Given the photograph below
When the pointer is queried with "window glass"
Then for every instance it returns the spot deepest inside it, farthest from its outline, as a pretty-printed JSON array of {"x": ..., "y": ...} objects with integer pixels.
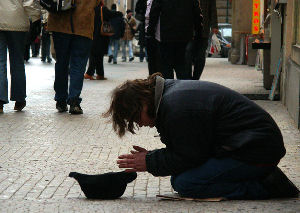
[{"x": 226, "y": 32}]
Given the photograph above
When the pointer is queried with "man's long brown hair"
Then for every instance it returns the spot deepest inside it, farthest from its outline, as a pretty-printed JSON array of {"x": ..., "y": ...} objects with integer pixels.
[{"x": 127, "y": 102}]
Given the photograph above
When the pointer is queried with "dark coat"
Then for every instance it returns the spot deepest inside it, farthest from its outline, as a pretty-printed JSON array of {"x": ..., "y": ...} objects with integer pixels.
[
  {"x": 210, "y": 17},
  {"x": 199, "y": 120},
  {"x": 100, "y": 43},
  {"x": 178, "y": 20},
  {"x": 118, "y": 25}
]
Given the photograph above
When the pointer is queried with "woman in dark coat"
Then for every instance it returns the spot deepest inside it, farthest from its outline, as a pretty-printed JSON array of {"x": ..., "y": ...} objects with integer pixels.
[{"x": 100, "y": 43}]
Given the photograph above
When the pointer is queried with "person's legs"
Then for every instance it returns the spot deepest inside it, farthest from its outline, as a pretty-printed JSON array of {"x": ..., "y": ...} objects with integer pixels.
[
  {"x": 167, "y": 59},
  {"x": 154, "y": 57},
  {"x": 80, "y": 49},
  {"x": 99, "y": 66},
  {"x": 130, "y": 50},
  {"x": 179, "y": 61},
  {"x": 16, "y": 46},
  {"x": 200, "y": 58},
  {"x": 124, "y": 42},
  {"x": 44, "y": 52},
  {"x": 62, "y": 48},
  {"x": 225, "y": 177},
  {"x": 3, "y": 69},
  {"x": 92, "y": 64},
  {"x": 142, "y": 55},
  {"x": 47, "y": 47},
  {"x": 116, "y": 50},
  {"x": 189, "y": 55}
]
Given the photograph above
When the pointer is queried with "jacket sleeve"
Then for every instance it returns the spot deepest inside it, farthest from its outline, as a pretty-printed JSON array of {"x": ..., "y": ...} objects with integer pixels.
[
  {"x": 32, "y": 9},
  {"x": 154, "y": 17},
  {"x": 213, "y": 16},
  {"x": 187, "y": 145}
]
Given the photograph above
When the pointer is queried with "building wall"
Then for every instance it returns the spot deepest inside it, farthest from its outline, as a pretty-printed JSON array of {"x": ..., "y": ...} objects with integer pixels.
[{"x": 290, "y": 81}]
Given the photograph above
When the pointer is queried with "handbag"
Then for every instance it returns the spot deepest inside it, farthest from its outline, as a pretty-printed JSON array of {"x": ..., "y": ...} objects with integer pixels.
[{"x": 106, "y": 28}]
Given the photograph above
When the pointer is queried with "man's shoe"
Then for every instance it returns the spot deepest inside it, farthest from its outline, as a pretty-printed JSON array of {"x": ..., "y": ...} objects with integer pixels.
[
  {"x": 19, "y": 106},
  {"x": 61, "y": 106},
  {"x": 123, "y": 59},
  {"x": 75, "y": 108},
  {"x": 1, "y": 108},
  {"x": 87, "y": 76},
  {"x": 100, "y": 77},
  {"x": 131, "y": 59},
  {"x": 110, "y": 58},
  {"x": 279, "y": 186},
  {"x": 115, "y": 62}
]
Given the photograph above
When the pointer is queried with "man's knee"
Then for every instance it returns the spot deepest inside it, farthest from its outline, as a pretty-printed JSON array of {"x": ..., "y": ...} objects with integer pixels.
[{"x": 184, "y": 186}]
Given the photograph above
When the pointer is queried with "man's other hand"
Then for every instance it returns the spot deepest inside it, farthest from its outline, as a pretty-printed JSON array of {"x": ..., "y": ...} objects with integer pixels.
[{"x": 134, "y": 162}]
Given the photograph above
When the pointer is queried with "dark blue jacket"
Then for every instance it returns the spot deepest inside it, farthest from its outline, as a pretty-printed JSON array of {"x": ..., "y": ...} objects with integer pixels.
[{"x": 199, "y": 120}]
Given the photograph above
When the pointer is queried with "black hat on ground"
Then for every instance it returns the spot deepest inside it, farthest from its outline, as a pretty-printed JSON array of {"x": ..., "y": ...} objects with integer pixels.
[{"x": 110, "y": 185}]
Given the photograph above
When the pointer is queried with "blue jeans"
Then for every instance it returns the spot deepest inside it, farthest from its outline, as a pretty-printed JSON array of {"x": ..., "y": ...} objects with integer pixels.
[
  {"x": 72, "y": 52},
  {"x": 222, "y": 178},
  {"x": 129, "y": 44},
  {"x": 15, "y": 43},
  {"x": 114, "y": 43}
]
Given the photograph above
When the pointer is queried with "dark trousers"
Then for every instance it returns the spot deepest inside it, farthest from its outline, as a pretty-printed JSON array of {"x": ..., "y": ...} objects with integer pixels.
[
  {"x": 35, "y": 48},
  {"x": 173, "y": 59},
  {"x": 46, "y": 47},
  {"x": 14, "y": 42},
  {"x": 72, "y": 52},
  {"x": 224, "y": 177},
  {"x": 196, "y": 54},
  {"x": 154, "y": 57},
  {"x": 96, "y": 63}
]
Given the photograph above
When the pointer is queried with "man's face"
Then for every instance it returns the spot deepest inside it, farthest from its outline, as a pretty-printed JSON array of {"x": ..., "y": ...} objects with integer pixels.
[
  {"x": 145, "y": 120},
  {"x": 129, "y": 15}
]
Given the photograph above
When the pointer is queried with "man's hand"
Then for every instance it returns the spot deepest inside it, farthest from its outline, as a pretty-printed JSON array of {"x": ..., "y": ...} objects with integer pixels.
[{"x": 135, "y": 162}]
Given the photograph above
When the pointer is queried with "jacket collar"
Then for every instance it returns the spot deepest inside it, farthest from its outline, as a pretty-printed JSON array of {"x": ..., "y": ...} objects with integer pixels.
[{"x": 159, "y": 88}]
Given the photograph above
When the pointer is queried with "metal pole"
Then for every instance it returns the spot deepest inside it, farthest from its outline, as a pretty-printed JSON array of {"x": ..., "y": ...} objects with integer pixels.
[{"x": 227, "y": 21}]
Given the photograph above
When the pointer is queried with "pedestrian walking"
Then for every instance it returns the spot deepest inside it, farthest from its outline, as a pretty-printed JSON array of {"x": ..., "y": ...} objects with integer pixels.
[
  {"x": 196, "y": 49},
  {"x": 130, "y": 28},
  {"x": 119, "y": 30},
  {"x": 218, "y": 142},
  {"x": 100, "y": 43},
  {"x": 46, "y": 42},
  {"x": 14, "y": 25},
  {"x": 178, "y": 22},
  {"x": 72, "y": 36}
]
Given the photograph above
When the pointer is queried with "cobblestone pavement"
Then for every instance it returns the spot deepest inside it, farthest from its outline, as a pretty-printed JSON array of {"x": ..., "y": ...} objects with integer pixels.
[{"x": 39, "y": 147}]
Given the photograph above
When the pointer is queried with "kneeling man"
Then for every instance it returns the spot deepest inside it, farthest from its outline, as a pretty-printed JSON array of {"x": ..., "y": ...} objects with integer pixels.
[{"x": 218, "y": 142}]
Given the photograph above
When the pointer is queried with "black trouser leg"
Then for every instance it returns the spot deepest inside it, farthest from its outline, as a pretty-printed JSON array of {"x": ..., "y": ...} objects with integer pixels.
[
  {"x": 200, "y": 58},
  {"x": 154, "y": 57},
  {"x": 92, "y": 65},
  {"x": 99, "y": 65}
]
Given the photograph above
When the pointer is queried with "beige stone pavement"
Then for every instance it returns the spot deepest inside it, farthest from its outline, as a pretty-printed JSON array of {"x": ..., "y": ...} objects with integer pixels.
[{"x": 39, "y": 147}]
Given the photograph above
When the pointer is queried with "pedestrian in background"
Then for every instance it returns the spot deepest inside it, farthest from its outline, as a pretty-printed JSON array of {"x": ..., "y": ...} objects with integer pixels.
[
  {"x": 14, "y": 25},
  {"x": 196, "y": 49},
  {"x": 46, "y": 42},
  {"x": 130, "y": 28},
  {"x": 100, "y": 43},
  {"x": 72, "y": 37},
  {"x": 178, "y": 22},
  {"x": 119, "y": 29}
]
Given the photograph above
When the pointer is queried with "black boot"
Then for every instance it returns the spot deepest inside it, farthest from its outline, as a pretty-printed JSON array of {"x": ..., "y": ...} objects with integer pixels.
[
  {"x": 75, "y": 107},
  {"x": 279, "y": 186},
  {"x": 61, "y": 106},
  {"x": 19, "y": 105}
]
